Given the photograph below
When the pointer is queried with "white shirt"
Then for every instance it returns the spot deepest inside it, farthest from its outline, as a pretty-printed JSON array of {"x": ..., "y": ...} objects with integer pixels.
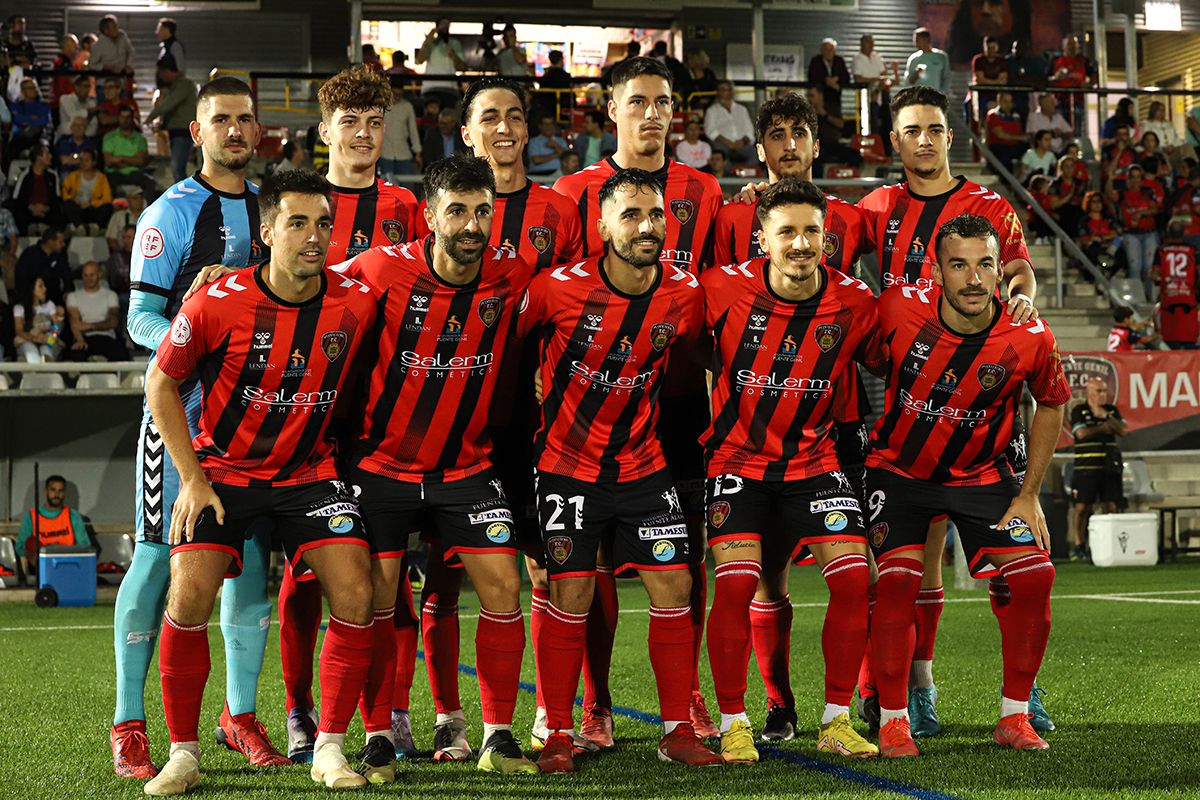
[
  {"x": 439, "y": 62},
  {"x": 1167, "y": 135},
  {"x": 1037, "y": 121},
  {"x": 93, "y": 306},
  {"x": 694, "y": 155},
  {"x": 110, "y": 56},
  {"x": 733, "y": 124},
  {"x": 400, "y": 137},
  {"x": 870, "y": 67},
  {"x": 70, "y": 107}
]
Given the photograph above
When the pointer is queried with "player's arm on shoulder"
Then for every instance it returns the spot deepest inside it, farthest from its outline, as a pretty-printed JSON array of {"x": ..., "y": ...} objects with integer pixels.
[{"x": 1022, "y": 289}]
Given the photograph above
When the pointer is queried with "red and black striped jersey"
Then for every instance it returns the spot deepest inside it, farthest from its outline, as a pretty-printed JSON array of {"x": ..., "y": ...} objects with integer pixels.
[
  {"x": 440, "y": 351},
  {"x": 904, "y": 225},
  {"x": 692, "y": 200},
  {"x": 380, "y": 214},
  {"x": 738, "y": 226},
  {"x": 782, "y": 370},
  {"x": 1176, "y": 265},
  {"x": 951, "y": 399},
  {"x": 603, "y": 358},
  {"x": 271, "y": 371}
]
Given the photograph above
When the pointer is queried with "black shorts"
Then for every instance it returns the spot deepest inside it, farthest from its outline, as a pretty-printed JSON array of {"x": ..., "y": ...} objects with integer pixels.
[
  {"x": 468, "y": 516},
  {"x": 512, "y": 455},
  {"x": 682, "y": 421},
  {"x": 785, "y": 516},
  {"x": 643, "y": 520},
  {"x": 306, "y": 517},
  {"x": 900, "y": 510},
  {"x": 1091, "y": 486}
]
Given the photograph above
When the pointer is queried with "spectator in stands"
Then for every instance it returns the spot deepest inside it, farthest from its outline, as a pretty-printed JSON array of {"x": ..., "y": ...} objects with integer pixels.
[
  {"x": 1070, "y": 191},
  {"x": 117, "y": 269},
  {"x": 84, "y": 56},
  {"x": 1172, "y": 143},
  {"x": 545, "y": 151},
  {"x": 371, "y": 59},
  {"x": 108, "y": 110},
  {"x": 1024, "y": 69},
  {"x": 571, "y": 163},
  {"x": 1127, "y": 335},
  {"x": 718, "y": 165},
  {"x": 1098, "y": 232},
  {"x": 401, "y": 141},
  {"x": 988, "y": 68},
  {"x": 1153, "y": 159},
  {"x": 1192, "y": 122},
  {"x": 869, "y": 67},
  {"x": 169, "y": 44},
  {"x": 87, "y": 197},
  {"x": 9, "y": 235},
  {"x": 632, "y": 50},
  {"x": 36, "y": 197},
  {"x": 126, "y": 153},
  {"x": 1122, "y": 117},
  {"x": 112, "y": 52},
  {"x": 31, "y": 118},
  {"x": 1185, "y": 204},
  {"x": 53, "y": 523},
  {"x": 17, "y": 66},
  {"x": 1005, "y": 131},
  {"x": 827, "y": 70},
  {"x": 729, "y": 128},
  {"x": 927, "y": 66},
  {"x": 45, "y": 259},
  {"x": 692, "y": 150},
  {"x": 701, "y": 79},
  {"x": 1072, "y": 70},
  {"x": 443, "y": 141},
  {"x": 1039, "y": 190},
  {"x": 38, "y": 322},
  {"x": 1175, "y": 273},
  {"x": 125, "y": 212},
  {"x": 1119, "y": 155},
  {"x": 77, "y": 104},
  {"x": 17, "y": 43},
  {"x": 679, "y": 73},
  {"x": 1139, "y": 203},
  {"x": 399, "y": 68},
  {"x": 62, "y": 85},
  {"x": 1039, "y": 159},
  {"x": 1048, "y": 118},
  {"x": 1095, "y": 426},
  {"x": 595, "y": 143},
  {"x": 512, "y": 58},
  {"x": 830, "y": 131},
  {"x": 442, "y": 55},
  {"x": 555, "y": 78},
  {"x": 293, "y": 156},
  {"x": 174, "y": 111},
  {"x": 94, "y": 312}
]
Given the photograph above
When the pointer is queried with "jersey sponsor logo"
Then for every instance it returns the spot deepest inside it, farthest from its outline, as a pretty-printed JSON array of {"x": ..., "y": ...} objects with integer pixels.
[
  {"x": 960, "y": 415},
  {"x": 656, "y": 532},
  {"x": 283, "y": 401},
  {"x": 559, "y": 548},
  {"x": 359, "y": 242},
  {"x": 262, "y": 340},
  {"x": 671, "y": 497},
  {"x": 341, "y": 523},
  {"x": 334, "y": 509},
  {"x": 453, "y": 329},
  {"x": 831, "y": 244},
  {"x": 540, "y": 237},
  {"x": 836, "y": 521},
  {"x": 489, "y": 310},
  {"x": 393, "y": 229},
  {"x": 679, "y": 259},
  {"x": 682, "y": 209},
  {"x": 879, "y": 532},
  {"x": 718, "y": 512},
  {"x": 750, "y": 381},
  {"x": 609, "y": 382},
  {"x": 827, "y": 335},
  {"x": 592, "y": 323},
  {"x": 890, "y": 280},
  {"x": 661, "y": 335},
  {"x": 788, "y": 350},
  {"x": 663, "y": 550},
  {"x": 333, "y": 344},
  {"x": 989, "y": 375},
  {"x": 152, "y": 243},
  {"x": 297, "y": 365},
  {"x": 498, "y": 532},
  {"x": 758, "y": 322},
  {"x": 490, "y": 516},
  {"x": 444, "y": 365},
  {"x": 1019, "y": 531},
  {"x": 181, "y": 330},
  {"x": 498, "y": 485},
  {"x": 948, "y": 381},
  {"x": 833, "y": 504}
]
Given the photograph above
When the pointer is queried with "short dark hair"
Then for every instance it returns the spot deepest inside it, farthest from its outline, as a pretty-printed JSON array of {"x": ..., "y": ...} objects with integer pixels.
[
  {"x": 1122, "y": 313},
  {"x": 107, "y": 18},
  {"x": 50, "y": 234},
  {"x": 289, "y": 149},
  {"x": 660, "y": 48},
  {"x": 486, "y": 84},
  {"x": 90, "y": 151},
  {"x": 790, "y": 192},
  {"x": 628, "y": 178},
  {"x": 169, "y": 23},
  {"x": 637, "y": 66},
  {"x": 597, "y": 117},
  {"x": 55, "y": 479},
  {"x": 458, "y": 173},
  {"x": 1176, "y": 229},
  {"x": 224, "y": 86},
  {"x": 922, "y": 32},
  {"x": 80, "y": 79},
  {"x": 990, "y": 40},
  {"x": 1043, "y": 132},
  {"x": 920, "y": 96},
  {"x": 790, "y": 107},
  {"x": 965, "y": 226},
  {"x": 295, "y": 181},
  {"x": 555, "y": 56},
  {"x": 356, "y": 88}
]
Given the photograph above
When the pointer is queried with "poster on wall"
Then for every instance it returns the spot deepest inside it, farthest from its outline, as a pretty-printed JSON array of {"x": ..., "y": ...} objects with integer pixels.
[
  {"x": 780, "y": 62},
  {"x": 958, "y": 26}
]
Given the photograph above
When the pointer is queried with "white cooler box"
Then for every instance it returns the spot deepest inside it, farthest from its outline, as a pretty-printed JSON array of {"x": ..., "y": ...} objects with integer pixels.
[{"x": 1123, "y": 540}]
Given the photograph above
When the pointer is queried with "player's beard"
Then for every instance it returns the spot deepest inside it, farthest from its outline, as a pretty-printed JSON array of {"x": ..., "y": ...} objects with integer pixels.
[
  {"x": 799, "y": 168},
  {"x": 799, "y": 274},
  {"x": 956, "y": 302},
  {"x": 453, "y": 246},
  {"x": 230, "y": 161},
  {"x": 627, "y": 252}
]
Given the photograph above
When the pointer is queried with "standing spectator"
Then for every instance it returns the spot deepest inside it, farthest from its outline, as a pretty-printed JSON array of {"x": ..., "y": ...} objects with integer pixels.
[
  {"x": 679, "y": 73},
  {"x": 112, "y": 52},
  {"x": 546, "y": 150},
  {"x": 17, "y": 43},
  {"x": 1095, "y": 426},
  {"x": 126, "y": 153},
  {"x": 1152, "y": 159},
  {"x": 117, "y": 268},
  {"x": 1024, "y": 69},
  {"x": 45, "y": 259},
  {"x": 175, "y": 109},
  {"x": 76, "y": 104},
  {"x": 1072, "y": 70},
  {"x": 1039, "y": 190},
  {"x": 555, "y": 78},
  {"x": 701, "y": 80},
  {"x": 691, "y": 150},
  {"x": 169, "y": 44},
  {"x": 36, "y": 196},
  {"x": 1127, "y": 335},
  {"x": 1186, "y": 204},
  {"x": 293, "y": 156},
  {"x": 108, "y": 110},
  {"x": 729, "y": 128},
  {"x": 512, "y": 58},
  {"x": 927, "y": 66},
  {"x": 632, "y": 50},
  {"x": 1172, "y": 143},
  {"x": 94, "y": 312},
  {"x": 595, "y": 142},
  {"x": 31, "y": 118},
  {"x": 827, "y": 70},
  {"x": 62, "y": 85},
  {"x": 401, "y": 140},
  {"x": 399, "y": 68},
  {"x": 1097, "y": 232},
  {"x": 1192, "y": 123},
  {"x": 1047, "y": 118},
  {"x": 1039, "y": 159},
  {"x": 1139, "y": 204},
  {"x": 1122, "y": 117},
  {"x": 830, "y": 127},
  {"x": 56, "y": 524},
  {"x": 1005, "y": 132},
  {"x": 869, "y": 68},
  {"x": 38, "y": 322},
  {"x": 1069, "y": 192},
  {"x": 87, "y": 197},
  {"x": 125, "y": 212},
  {"x": 84, "y": 56},
  {"x": 442, "y": 55},
  {"x": 1175, "y": 273},
  {"x": 371, "y": 59},
  {"x": 443, "y": 141},
  {"x": 988, "y": 68}
]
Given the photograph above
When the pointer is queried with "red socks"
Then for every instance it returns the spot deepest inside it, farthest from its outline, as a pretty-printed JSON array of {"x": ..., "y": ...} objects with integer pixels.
[
  {"x": 601, "y": 631},
  {"x": 771, "y": 632},
  {"x": 729, "y": 634},
  {"x": 699, "y": 601},
  {"x": 405, "y": 635},
  {"x": 559, "y": 654},
  {"x": 866, "y": 683},
  {"x": 299, "y": 622},
  {"x": 537, "y": 613},
  {"x": 183, "y": 662},
  {"x": 439, "y": 630},
  {"x": 376, "y": 702},
  {"x": 999, "y": 595},
  {"x": 844, "y": 637},
  {"x": 499, "y": 646},
  {"x": 1025, "y": 626},
  {"x": 671, "y": 653},
  {"x": 345, "y": 660},
  {"x": 928, "y": 611},
  {"x": 893, "y": 633}
]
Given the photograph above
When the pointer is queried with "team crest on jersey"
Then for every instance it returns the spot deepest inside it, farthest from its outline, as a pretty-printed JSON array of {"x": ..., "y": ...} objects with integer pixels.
[
  {"x": 879, "y": 532},
  {"x": 559, "y": 548},
  {"x": 827, "y": 336},
  {"x": 990, "y": 375},
  {"x": 661, "y": 334},
  {"x": 682, "y": 209},
  {"x": 393, "y": 229},
  {"x": 540, "y": 237},
  {"x": 718, "y": 512},
  {"x": 489, "y": 310},
  {"x": 332, "y": 344},
  {"x": 832, "y": 242}
]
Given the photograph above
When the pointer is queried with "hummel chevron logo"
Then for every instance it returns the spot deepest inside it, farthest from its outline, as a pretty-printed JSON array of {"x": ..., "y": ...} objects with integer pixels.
[
  {"x": 230, "y": 283},
  {"x": 681, "y": 275},
  {"x": 153, "y": 517},
  {"x": 362, "y": 287},
  {"x": 985, "y": 193},
  {"x": 152, "y": 481},
  {"x": 577, "y": 270},
  {"x": 152, "y": 462}
]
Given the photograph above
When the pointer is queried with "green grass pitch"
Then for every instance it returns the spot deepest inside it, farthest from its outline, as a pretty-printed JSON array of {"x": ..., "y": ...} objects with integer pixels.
[{"x": 1123, "y": 677}]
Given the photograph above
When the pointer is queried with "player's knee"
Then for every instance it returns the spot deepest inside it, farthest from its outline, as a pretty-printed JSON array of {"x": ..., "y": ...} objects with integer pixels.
[
  {"x": 672, "y": 589},
  {"x": 189, "y": 604},
  {"x": 573, "y": 595},
  {"x": 537, "y": 573},
  {"x": 352, "y": 603}
]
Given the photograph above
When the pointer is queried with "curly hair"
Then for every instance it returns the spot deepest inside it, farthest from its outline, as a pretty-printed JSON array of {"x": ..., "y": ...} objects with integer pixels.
[{"x": 357, "y": 88}]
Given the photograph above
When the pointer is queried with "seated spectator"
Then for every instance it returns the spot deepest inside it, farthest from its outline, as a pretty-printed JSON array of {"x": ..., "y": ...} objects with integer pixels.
[
  {"x": 545, "y": 150},
  {"x": 1098, "y": 232},
  {"x": 38, "y": 322},
  {"x": 69, "y": 147},
  {"x": 57, "y": 524},
  {"x": 108, "y": 110},
  {"x": 432, "y": 107},
  {"x": 94, "y": 313},
  {"x": 728, "y": 126},
  {"x": 87, "y": 197},
  {"x": 702, "y": 80},
  {"x": 1082, "y": 175},
  {"x": 570, "y": 163},
  {"x": 1171, "y": 142},
  {"x": 62, "y": 85},
  {"x": 1175, "y": 273},
  {"x": 17, "y": 65},
  {"x": 1122, "y": 117},
  {"x": 443, "y": 141},
  {"x": 1139, "y": 204},
  {"x": 174, "y": 111},
  {"x": 595, "y": 143},
  {"x": 126, "y": 153},
  {"x": 1038, "y": 160},
  {"x": 1153, "y": 159},
  {"x": 1039, "y": 190},
  {"x": 126, "y": 211},
  {"x": 31, "y": 121},
  {"x": 1185, "y": 205},
  {"x": 691, "y": 150},
  {"x": 1119, "y": 155},
  {"x": 1047, "y": 117},
  {"x": 1127, "y": 335},
  {"x": 46, "y": 259},
  {"x": 36, "y": 196},
  {"x": 76, "y": 104},
  {"x": 1005, "y": 131},
  {"x": 1068, "y": 194},
  {"x": 718, "y": 165}
]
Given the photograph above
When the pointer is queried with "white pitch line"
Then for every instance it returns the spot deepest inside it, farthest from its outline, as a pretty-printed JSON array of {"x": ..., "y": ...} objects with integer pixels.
[{"x": 1128, "y": 599}]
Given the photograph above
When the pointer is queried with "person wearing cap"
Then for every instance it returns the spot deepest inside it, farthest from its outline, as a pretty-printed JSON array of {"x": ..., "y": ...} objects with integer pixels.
[{"x": 174, "y": 111}]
